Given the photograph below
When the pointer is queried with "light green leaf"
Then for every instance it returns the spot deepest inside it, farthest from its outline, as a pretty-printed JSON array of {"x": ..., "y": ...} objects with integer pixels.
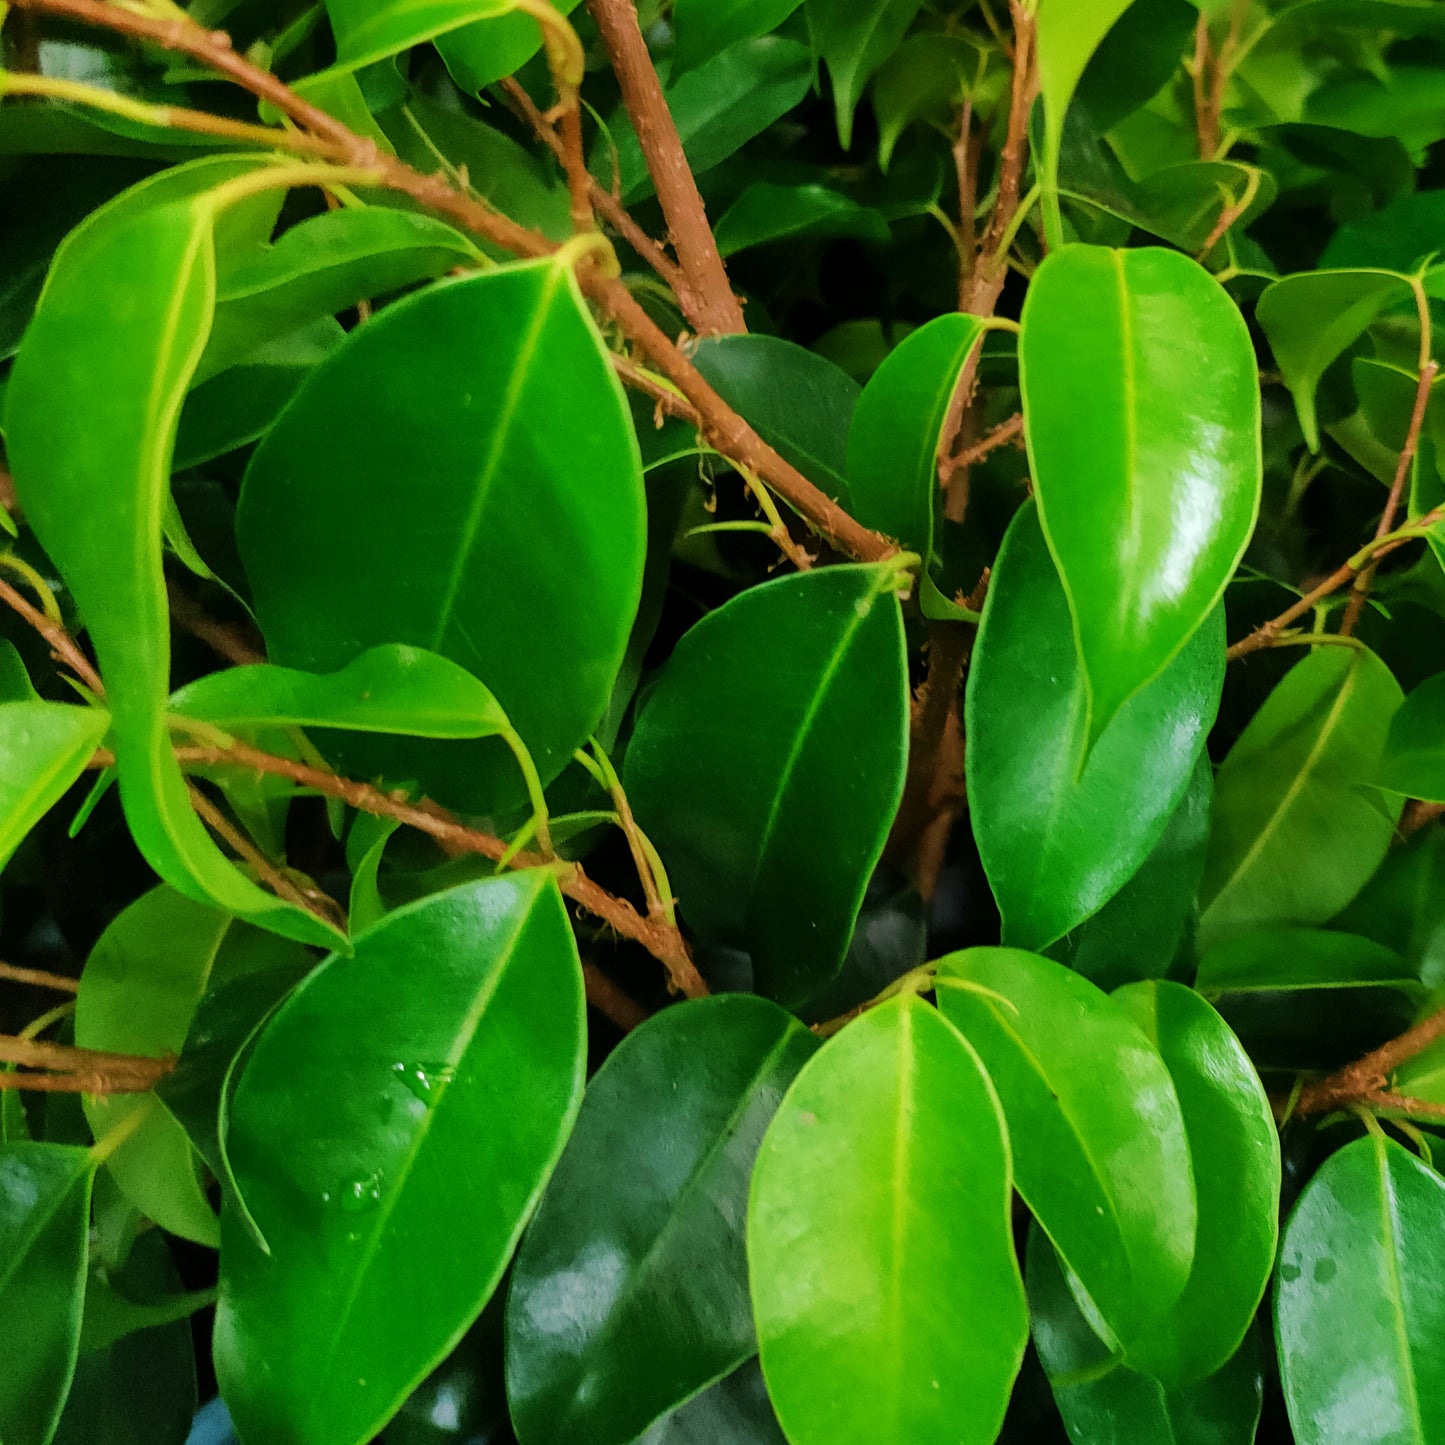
[
  {"x": 1234, "y": 1151},
  {"x": 1359, "y": 1316},
  {"x": 1141, "y": 409},
  {"x": 766, "y": 213},
  {"x": 123, "y": 319},
  {"x": 1299, "y": 821},
  {"x": 44, "y": 1248},
  {"x": 855, "y": 37},
  {"x": 705, "y": 28},
  {"x": 413, "y": 469},
  {"x": 354, "y": 1160},
  {"x": 482, "y": 53},
  {"x": 875, "y": 1323},
  {"x": 44, "y": 748},
  {"x": 769, "y": 791},
  {"x": 1101, "y": 1155},
  {"x": 1058, "y": 834},
  {"x": 630, "y": 1290},
  {"x": 1414, "y": 760}
]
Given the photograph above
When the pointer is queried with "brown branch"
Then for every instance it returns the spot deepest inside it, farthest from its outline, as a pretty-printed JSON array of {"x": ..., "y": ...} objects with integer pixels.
[
  {"x": 63, "y": 647},
  {"x": 1001, "y": 435},
  {"x": 965, "y": 169},
  {"x": 223, "y": 638},
  {"x": 65, "y": 1058},
  {"x": 1206, "y": 123},
  {"x": 665, "y": 943},
  {"x": 39, "y": 978},
  {"x": 1369, "y": 1077},
  {"x": 610, "y": 1001},
  {"x": 1419, "y": 815},
  {"x": 706, "y": 296},
  {"x": 99, "y": 1085},
  {"x": 669, "y": 403},
  {"x": 724, "y": 429}
]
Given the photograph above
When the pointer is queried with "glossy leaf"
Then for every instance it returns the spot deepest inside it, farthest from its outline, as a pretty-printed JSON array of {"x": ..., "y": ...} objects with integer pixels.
[
  {"x": 1403, "y": 905},
  {"x": 388, "y": 1073},
  {"x": 855, "y": 37},
  {"x": 1104, "y": 1402},
  {"x": 766, "y": 213},
  {"x": 874, "y": 1324},
  {"x": 44, "y": 1246},
  {"x": 44, "y": 748},
  {"x": 1312, "y": 318},
  {"x": 1101, "y": 1156},
  {"x": 736, "y": 1409},
  {"x": 412, "y": 470},
  {"x": 124, "y": 317},
  {"x": 1299, "y": 823},
  {"x": 1141, "y": 409},
  {"x": 630, "y": 1289},
  {"x": 797, "y": 401},
  {"x": 705, "y": 28},
  {"x": 1234, "y": 1151},
  {"x": 482, "y": 53},
  {"x": 769, "y": 791},
  {"x": 1359, "y": 1308},
  {"x": 1138, "y": 56},
  {"x": 1059, "y": 834},
  {"x": 1414, "y": 759}
]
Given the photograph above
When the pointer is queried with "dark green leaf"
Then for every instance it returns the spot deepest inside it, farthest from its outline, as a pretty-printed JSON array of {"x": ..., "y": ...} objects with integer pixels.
[
  {"x": 1395, "y": 238},
  {"x": 44, "y": 1228},
  {"x": 630, "y": 1291},
  {"x": 1137, "y": 57},
  {"x": 926, "y": 78},
  {"x": 1141, "y": 408},
  {"x": 1414, "y": 760},
  {"x": 413, "y": 469},
  {"x": 705, "y": 28},
  {"x": 1101, "y": 1156},
  {"x": 1359, "y": 1314},
  {"x": 767, "y": 213},
  {"x": 736, "y": 1409},
  {"x": 1299, "y": 822},
  {"x": 384, "y": 1082},
  {"x": 855, "y": 37},
  {"x": 769, "y": 790},
  {"x": 1403, "y": 905},
  {"x": 874, "y": 1323},
  {"x": 1060, "y": 835}
]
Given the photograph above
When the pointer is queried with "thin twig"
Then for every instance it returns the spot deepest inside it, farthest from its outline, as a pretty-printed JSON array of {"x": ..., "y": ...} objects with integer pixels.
[
  {"x": 991, "y": 441},
  {"x": 63, "y": 646},
  {"x": 669, "y": 403},
  {"x": 223, "y": 638},
  {"x": 57, "y": 982},
  {"x": 66, "y": 1058},
  {"x": 1370, "y": 1076},
  {"x": 1419, "y": 815},
  {"x": 610, "y": 1001}
]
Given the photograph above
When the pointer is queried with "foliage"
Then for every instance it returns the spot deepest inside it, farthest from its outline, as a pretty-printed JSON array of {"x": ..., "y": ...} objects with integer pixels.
[{"x": 722, "y": 720}]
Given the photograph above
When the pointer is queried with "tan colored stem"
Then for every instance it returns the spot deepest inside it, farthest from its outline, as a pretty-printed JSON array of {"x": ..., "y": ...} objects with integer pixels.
[
  {"x": 39, "y": 1054},
  {"x": 38, "y": 977},
  {"x": 707, "y": 297},
  {"x": 63, "y": 646},
  {"x": 1370, "y": 1076},
  {"x": 610, "y": 1001}
]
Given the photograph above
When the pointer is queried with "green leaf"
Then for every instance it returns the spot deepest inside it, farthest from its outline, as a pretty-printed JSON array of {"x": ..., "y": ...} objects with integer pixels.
[
  {"x": 736, "y": 1409},
  {"x": 1141, "y": 408},
  {"x": 1359, "y": 1319},
  {"x": 766, "y": 213},
  {"x": 1103, "y": 1401},
  {"x": 1311, "y": 319},
  {"x": 325, "y": 265},
  {"x": 797, "y": 401},
  {"x": 1101, "y": 1156},
  {"x": 1304, "y": 998},
  {"x": 386, "y": 1082},
  {"x": 898, "y": 427},
  {"x": 1142, "y": 930},
  {"x": 481, "y": 53},
  {"x": 1403, "y": 905},
  {"x": 367, "y": 31},
  {"x": 855, "y": 37},
  {"x": 717, "y": 108},
  {"x": 44, "y": 1246},
  {"x": 630, "y": 1291},
  {"x": 1139, "y": 56},
  {"x": 877, "y": 1321},
  {"x": 123, "y": 320},
  {"x": 1414, "y": 760},
  {"x": 1299, "y": 823},
  {"x": 705, "y": 28},
  {"x": 1060, "y": 835},
  {"x": 1234, "y": 1151},
  {"x": 1067, "y": 34},
  {"x": 926, "y": 78},
  {"x": 769, "y": 791},
  {"x": 44, "y": 748},
  {"x": 413, "y": 469},
  {"x": 1398, "y": 237}
]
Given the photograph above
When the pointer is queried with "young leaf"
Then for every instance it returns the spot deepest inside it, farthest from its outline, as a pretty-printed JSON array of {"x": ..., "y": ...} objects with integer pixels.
[
  {"x": 1101, "y": 1155},
  {"x": 44, "y": 748},
  {"x": 769, "y": 790},
  {"x": 630, "y": 1290},
  {"x": 123, "y": 320},
  {"x": 1142, "y": 413},
  {"x": 1299, "y": 821},
  {"x": 1414, "y": 761},
  {"x": 1060, "y": 834},
  {"x": 873, "y": 1323},
  {"x": 1103, "y": 1400},
  {"x": 482, "y": 53},
  {"x": 855, "y": 37},
  {"x": 705, "y": 28},
  {"x": 44, "y": 1248},
  {"x": 1359, "y": 1317},
  {"x": 1234, "y": 1150},
  {"x": 379, "y": 1115},
  {"x": 414, "y": 469}
]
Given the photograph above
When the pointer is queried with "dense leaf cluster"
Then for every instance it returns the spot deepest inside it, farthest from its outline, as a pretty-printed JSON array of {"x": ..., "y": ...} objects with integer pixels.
[{"x": 722, "y": 722}]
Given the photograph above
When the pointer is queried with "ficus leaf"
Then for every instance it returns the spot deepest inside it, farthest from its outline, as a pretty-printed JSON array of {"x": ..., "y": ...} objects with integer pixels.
[
  {"x": 855, "y": 37},
  {"x": 44, "y": 748},
  {"x": 873, "y": 1323},
  {"x": 1142, "y": 414},
  {"x": 1413, "y": 764},
  {"x": 705, "y": 28}
]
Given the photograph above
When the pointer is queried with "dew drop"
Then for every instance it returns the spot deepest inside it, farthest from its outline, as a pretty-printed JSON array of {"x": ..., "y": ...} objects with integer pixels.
[
  {"x": 1289, "y": 1273},
  {"x": 424, "y": 1081},
  {"x": 363, "y": 1193},
  {"x": 1324, "y": 1270}
]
